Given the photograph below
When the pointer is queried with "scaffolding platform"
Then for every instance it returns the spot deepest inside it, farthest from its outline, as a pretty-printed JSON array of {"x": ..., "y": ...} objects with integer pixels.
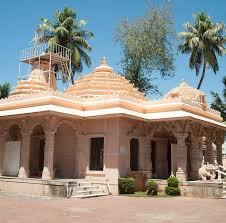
[{"x": 46, "y": 51}]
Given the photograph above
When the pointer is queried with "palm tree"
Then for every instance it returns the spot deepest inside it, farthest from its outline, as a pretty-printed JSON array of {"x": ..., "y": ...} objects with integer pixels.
[
  {"x": 67, "y": 31},
  {"x": 218, "y": 103},
  {"x": 4, "y": 90},
  {"x": 203, "y": 41}
]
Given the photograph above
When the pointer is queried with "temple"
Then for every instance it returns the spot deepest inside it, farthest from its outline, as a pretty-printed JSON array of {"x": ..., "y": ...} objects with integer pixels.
[{"x": 102, "y": 128}]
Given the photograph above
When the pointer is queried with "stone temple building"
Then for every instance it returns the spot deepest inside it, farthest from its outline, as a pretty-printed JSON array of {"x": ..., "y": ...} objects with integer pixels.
[{"x": 102, "y": 128}]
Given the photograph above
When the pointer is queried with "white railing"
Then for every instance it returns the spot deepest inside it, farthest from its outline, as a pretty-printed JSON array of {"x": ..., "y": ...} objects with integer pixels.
[
  {"x": 220, "y": 172},
  {"x": 45, "y": 48},
  {"x": 221, "y": 167},
  {"x": 108, "y": 187}
]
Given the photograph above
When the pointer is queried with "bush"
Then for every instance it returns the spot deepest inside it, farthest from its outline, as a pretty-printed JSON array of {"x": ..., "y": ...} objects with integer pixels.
[
  {"x": 152, "y": 187},
  {"x": 173, "y": 181},
  {"x": 172, "y": 188},
  {"x": 173, "y": 191},
  {"x": 126, "y": 185}
]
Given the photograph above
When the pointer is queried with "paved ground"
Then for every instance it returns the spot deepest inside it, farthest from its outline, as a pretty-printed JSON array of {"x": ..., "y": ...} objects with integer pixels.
[{"x": 111, "y": 210}]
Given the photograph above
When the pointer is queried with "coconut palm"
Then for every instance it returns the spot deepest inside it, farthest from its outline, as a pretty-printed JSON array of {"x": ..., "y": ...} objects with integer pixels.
[
  {"x": 67, "y": 31},
  {"x": 218, "y": 103},
  {"x": 203, "y": 41},
  {"x": 4, "y": 90}
]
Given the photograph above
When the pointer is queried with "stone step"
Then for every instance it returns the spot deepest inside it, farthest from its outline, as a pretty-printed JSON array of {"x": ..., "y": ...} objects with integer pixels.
[
  {"x": 86, "y": 187},
  {"x": 97, "y": 191},
  {"x": 223, "y": 197},
  {"x": 84, "y": 183},
  {"x": 90, "y": 195}
]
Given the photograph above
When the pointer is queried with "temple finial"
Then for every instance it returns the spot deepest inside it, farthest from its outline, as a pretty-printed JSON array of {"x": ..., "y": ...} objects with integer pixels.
[{"x": 103, "y": 61}]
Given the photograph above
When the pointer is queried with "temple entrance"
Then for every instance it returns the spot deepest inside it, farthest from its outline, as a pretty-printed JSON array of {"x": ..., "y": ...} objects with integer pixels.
[
  {"x": 162, "y": 154},
  {"x": 64, "y": 164},
  {"x": 134, "y": 154},
  {"x": 37, "y": 149},
  {"x": 11, "y": 162},
  {"x": 97, "y": 154}
]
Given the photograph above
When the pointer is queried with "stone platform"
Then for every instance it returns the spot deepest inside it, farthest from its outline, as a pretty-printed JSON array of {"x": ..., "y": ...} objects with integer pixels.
[
  {"x": 200, "y": 189},
  {"x": 51, "y": 188}
]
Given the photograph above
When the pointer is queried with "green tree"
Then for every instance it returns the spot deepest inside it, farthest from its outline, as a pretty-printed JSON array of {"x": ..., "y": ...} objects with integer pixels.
[
  {"x": 67, "y": 31},
  {"x": 4, "y": 90},
  {"x": 218, "y": 103},
  {"x": 147, "y": 47},
  {"x": 203, "y": 40}
]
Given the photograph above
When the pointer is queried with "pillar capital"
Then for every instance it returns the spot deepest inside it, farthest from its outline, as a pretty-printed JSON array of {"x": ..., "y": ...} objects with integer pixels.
[
  {"x": 219, "y": 140},
  {"x": 3, "y": 132},
  {"x": 181, "y": 136}
]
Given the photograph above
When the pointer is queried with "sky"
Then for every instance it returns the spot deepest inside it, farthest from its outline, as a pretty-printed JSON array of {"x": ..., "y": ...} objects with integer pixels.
[{"x": 20, "y": 18}]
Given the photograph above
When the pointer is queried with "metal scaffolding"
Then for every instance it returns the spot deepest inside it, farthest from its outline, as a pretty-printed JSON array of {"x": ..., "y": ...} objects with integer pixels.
[{"x": 57, "y": 60}]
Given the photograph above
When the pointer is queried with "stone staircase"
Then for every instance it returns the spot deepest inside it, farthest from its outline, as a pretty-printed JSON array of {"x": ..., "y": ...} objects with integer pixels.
[{"x": 86, "y": 189}]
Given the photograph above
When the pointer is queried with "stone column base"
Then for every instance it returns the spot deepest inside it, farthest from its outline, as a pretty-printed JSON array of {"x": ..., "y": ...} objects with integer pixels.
[
  {"x": 23, "y": 173},
  {"x": 181, "y": 176},
  {"x": 194, "y": 175},
  {"x": 47, "y": 174}
]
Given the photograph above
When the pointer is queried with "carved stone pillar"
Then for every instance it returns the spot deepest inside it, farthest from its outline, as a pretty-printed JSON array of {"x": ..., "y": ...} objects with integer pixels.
[
  {"x": 219, "y": 152},
  {"x": 25, "y": 155},
  {"x": 181, "y": 156},
  {"x": 209, "y": 151},
  {"x": 148, "y": 162},
  {"x": 2, "y": 148},
  {"x": 142, "y": 151},
  {"x": 219, "y": 142},
  {"x": 196, "y": 157},
  {"x": 47, "y": 173}
]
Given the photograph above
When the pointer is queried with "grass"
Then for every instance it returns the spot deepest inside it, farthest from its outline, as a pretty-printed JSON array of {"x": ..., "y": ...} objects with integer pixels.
[{"x": 143, "y": 194}]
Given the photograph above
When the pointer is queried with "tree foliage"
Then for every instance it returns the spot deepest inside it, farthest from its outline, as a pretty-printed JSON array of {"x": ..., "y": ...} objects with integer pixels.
[
  {"x": 65, "y": 29},
  {"x": 218, "y": 103},
  {"x": 203, "y": 40},
  {"x": 147, "y": 46},
  {"x": 4, "y": 90}
]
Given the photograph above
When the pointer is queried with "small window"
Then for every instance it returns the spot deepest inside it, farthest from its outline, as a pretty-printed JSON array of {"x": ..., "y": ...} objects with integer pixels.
[{"x": 96, "y": 153}]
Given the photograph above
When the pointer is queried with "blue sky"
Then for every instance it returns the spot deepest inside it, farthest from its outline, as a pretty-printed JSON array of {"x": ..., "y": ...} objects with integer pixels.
[{"x": 20, "y": 18}]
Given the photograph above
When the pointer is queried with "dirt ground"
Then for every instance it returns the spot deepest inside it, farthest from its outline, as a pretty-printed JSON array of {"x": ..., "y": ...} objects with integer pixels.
[{"x": 111, "y": 209}]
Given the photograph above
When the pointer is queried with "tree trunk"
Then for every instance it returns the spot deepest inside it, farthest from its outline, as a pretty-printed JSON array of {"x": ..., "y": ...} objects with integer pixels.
[{"x": 203, "y": 75}]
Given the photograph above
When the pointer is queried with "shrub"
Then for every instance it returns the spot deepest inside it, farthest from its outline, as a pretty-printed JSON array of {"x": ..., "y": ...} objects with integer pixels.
[
  {"x": 173, "y": 181},
  {"x": 172, "y": 188},
  {"x": 152, "y": 187},
  {"x": 173, "y": 191},
  {"x": 126, "y": 185}
]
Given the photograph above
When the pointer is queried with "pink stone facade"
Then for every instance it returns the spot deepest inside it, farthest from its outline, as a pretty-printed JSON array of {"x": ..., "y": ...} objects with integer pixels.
[
  {"x": 66, "y": 152},
  {"x": 103, "y": 128}
]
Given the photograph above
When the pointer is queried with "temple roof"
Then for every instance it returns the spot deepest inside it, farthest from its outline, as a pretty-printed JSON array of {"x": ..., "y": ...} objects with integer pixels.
[
  {"x": 104, "y": 93},
  {"x": 104, "y": 81},
  {"x": 187, "y": 93}
]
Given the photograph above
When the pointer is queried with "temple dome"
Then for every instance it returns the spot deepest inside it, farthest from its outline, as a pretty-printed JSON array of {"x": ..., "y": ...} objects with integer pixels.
[
  {"x": 104, "y": 82},
  {"x": 187, "y": 93},
  {"x": 36, "y": 83}
]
